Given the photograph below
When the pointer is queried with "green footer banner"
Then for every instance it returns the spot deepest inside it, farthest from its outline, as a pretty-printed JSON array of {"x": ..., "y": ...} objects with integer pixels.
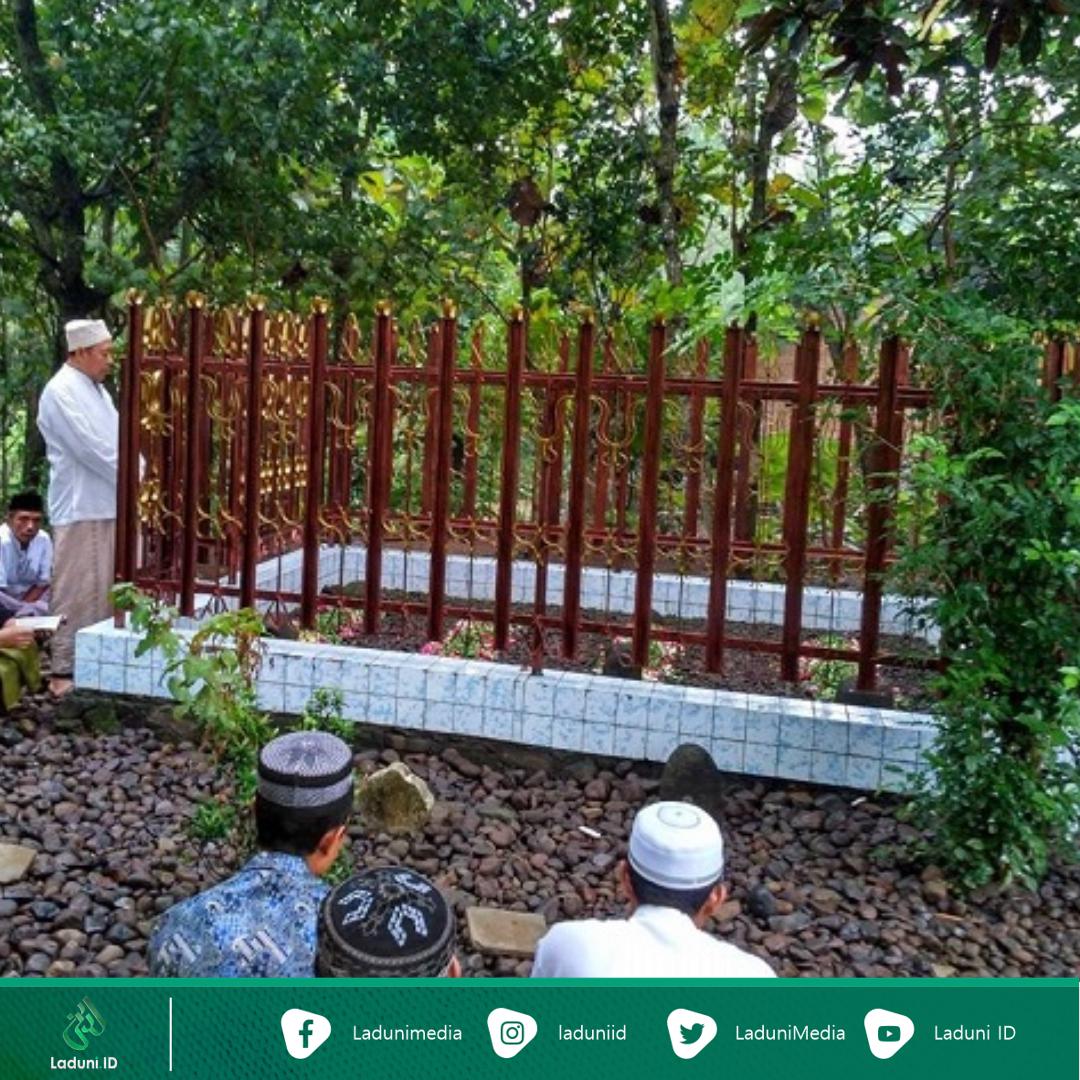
[{"x": 543, "y": 1030}]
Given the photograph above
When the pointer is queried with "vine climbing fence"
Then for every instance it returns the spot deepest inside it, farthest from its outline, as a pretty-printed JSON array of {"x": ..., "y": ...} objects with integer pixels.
[{"x": 552, "y": 483}]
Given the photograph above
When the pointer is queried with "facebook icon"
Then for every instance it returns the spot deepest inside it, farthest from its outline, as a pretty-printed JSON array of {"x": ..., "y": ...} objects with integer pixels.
[{"x": 304, "y": 1032}]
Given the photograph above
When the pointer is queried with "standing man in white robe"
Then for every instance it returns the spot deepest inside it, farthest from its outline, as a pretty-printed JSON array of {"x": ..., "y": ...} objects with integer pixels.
[{"x": 81, "y": 428}]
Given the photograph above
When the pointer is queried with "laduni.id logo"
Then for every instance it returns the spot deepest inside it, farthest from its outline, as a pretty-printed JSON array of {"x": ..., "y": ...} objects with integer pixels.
[{"x": 304, "y": 1032}]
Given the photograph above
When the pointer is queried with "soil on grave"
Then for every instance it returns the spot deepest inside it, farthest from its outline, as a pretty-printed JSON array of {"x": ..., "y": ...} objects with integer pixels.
[{"x": 745, "y": 671}]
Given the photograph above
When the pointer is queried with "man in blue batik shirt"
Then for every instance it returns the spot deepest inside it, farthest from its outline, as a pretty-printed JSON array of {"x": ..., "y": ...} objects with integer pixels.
[{"x": 261, "y": 922}]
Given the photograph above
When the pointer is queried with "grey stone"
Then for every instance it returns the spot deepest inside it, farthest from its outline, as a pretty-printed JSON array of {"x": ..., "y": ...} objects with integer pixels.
[
  {"x": 691, "y": 776},
  {"x": 395, "y": 800},
  {"x": 15, "y": 861}
]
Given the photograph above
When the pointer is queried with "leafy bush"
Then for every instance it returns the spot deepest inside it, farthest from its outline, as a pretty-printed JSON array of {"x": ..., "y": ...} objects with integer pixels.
[
  {"x": 323, "y": 713},
  {"x": 827, "y": 677},
  {"x": 1002, "y": 560},
  {"x": 212, "y": 820},
  {"x": 212, "y": 679},
  {"x": 467, "y": 639}
]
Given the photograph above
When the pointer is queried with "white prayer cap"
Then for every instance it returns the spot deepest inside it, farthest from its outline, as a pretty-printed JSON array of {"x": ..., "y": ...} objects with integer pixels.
[
  {"x": 677, "y": 845},
  {"x": 85, "y": 333}
]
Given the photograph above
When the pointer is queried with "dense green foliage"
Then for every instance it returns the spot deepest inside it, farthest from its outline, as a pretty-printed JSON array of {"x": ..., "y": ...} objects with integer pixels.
[
  {"x": 1002, "y": 563},
  {"x": 211, "y": 677},
  {"x": 890, "y": 164}
]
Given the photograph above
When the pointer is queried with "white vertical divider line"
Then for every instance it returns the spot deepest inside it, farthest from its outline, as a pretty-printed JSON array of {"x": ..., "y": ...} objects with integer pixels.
[{"x": 170, "y": 1034}]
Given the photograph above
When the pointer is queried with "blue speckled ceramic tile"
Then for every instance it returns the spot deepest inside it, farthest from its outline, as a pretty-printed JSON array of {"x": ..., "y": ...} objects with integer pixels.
[
  {"x": 635, "y": 705},
  {"x": 797, "y": 732},
  {"x": 659, "y": 744},
  {"x": 730, "y": 724},
  {"x": 499, "y": 724},
  {"x": 567, "y": 733},
  {"x": 863, "y": 773},
  {"x": 830, "y": 736},
  {"x": 539, "y": 695},
  {"x": 409, "y": 712},
  {"x": 440, "y": 716},
  {"x": 536, "y": 730},
  {"x": 598, "y": 738},
  {"x": 629, "y": 742},
  {"x": 760, "y": 759},
  {"x": 793, "y": 763},
  {"x": 865, "y": 739},
  {"x": 828, "y": 768},
  {"x": 441, "y": 684},
  {"x": 728, "y": 754}
]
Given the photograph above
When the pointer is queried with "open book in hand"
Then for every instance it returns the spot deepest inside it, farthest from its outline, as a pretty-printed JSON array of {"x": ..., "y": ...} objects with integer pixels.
[{"x": 46, "y": 624}]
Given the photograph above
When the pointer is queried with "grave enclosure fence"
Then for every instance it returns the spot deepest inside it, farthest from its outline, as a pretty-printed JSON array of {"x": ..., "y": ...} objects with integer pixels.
[{"x": 552, "y": 485}]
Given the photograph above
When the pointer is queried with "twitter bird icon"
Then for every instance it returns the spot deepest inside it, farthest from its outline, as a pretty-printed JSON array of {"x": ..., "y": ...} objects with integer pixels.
[{"x": 690, "y": 1032}]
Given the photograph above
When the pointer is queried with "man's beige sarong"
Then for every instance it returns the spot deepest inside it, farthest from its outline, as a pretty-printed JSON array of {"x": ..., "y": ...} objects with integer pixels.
[{"x": 83, "y": 555}]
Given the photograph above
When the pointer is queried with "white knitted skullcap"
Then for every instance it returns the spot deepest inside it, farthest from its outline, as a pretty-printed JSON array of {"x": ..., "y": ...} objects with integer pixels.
[
  {"x": 677, "y": 845},
  {"x": 85, "y": 333}
]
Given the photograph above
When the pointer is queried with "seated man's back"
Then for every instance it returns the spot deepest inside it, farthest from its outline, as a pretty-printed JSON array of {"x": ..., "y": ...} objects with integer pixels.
[
  {"x": 673, "y": 879},
  {"x": 655, "y": 942},
  {"x": 261, "y": 922}
]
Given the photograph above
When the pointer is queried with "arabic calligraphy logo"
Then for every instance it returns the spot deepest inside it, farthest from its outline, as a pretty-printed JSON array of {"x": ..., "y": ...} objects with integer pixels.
[{"x": 84, "y": 1021}]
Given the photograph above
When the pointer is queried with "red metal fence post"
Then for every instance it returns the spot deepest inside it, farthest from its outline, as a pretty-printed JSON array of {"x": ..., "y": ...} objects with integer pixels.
[
  {"x": 309, "y": 581},
  {"x": 379, "y": 466},
  {"x": 440, "y": 511},
  {"x": 433, "y": 351},
  {"x": 734, "y": 354},
  {"x": 884, "y": 467},
  {"x": 472, "y": 426},
  {"x": 797, "y": 499},
  {"x": 749, "y": 437},
  {"x": 249, "y": 558},
  {"x": 650, "y": 478},
  {"x": 192, "y": 457},
  {"x": 603, "y": 454},
  {"x": 579, "y": 467},
  {"x": 508, "y": 488},
  {"x": 127, "y": 480},
  {"x": 1054, "y": 367},
  {"x": 696, "y": 448},
  {"x": 549, "y": 495},
  {"x": 849, "y": 372}
]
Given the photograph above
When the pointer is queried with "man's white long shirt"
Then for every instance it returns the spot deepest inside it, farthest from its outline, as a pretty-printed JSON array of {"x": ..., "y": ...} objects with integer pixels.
[
  {"x": 81, "y": 428},
  {"x": 655, "y": 943}
]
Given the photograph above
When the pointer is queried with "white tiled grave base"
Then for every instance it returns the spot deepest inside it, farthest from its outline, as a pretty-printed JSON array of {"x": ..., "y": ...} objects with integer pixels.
[
  {"x": 787, "y": 738},
  {"x": 762, "y": 603}
]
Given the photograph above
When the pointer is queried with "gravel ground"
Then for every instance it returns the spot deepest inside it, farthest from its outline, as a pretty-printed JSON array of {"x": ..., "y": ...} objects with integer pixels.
[{"x": 820, "y": 884}]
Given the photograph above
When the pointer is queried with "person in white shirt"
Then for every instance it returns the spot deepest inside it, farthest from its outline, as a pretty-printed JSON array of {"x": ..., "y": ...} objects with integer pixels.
[
  {"x": 672, "y": 878},
  {"x": 81, "y": 428},
  {"x": 25, "y": 558}
]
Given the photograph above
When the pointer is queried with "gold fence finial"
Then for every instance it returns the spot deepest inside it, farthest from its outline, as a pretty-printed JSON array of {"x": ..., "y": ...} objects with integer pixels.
[
  {"x": 449, "y": 308},
  {"x": 256, "y": 302},
  {"x": 517, "y": 314},
  {"x": 382, "y": 307},
  {"x": 134, "y": 296},
  {"x": 812, "y": 320},
  {"x": 195, "y": 299},
  {"x": 320, "y": 305}
]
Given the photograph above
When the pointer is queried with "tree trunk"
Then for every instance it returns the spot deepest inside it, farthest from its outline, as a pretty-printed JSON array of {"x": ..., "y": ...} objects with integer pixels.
[{"x": 665, "y": 70}]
